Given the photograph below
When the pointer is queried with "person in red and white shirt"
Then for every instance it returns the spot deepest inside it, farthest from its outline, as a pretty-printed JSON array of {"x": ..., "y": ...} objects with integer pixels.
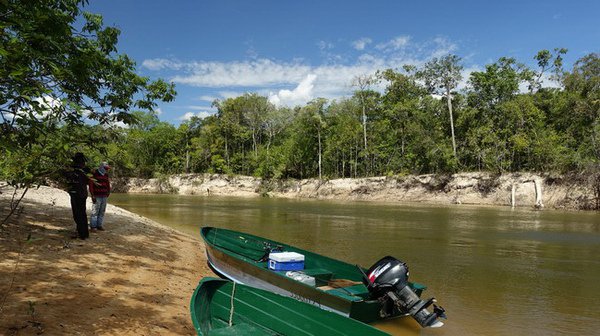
[{"x": 99, "y": 186}]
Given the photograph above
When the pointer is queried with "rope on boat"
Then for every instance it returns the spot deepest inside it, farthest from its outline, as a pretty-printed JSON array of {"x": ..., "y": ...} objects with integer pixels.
[{"x": 231, "y": 305}]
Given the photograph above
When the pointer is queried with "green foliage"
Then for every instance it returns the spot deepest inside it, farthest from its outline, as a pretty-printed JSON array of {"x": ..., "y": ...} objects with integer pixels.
[
  {"x": 546, "y": 62},
  {"x": 419, "y": 123},
  {"x": 57, "y": 81},
  {"x": 441, "y": 75},
  {"x": 498, "y": 127}
]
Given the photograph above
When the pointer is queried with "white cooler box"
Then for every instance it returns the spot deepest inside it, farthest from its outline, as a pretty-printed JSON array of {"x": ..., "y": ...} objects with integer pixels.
[{"x": 286, "y": 261}]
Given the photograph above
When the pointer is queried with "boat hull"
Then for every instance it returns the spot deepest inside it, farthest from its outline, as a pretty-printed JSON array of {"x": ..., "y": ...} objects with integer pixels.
[
  {"x": 220, "y": 307},
  {"x": 239, "y": 257},
  {"x": 242, "y": 272}
]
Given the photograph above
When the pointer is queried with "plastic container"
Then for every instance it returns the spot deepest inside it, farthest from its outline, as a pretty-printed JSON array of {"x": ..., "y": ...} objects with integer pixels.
[
  {"x": 286, "y": 261},
  {"x": 301, "y": 277}
]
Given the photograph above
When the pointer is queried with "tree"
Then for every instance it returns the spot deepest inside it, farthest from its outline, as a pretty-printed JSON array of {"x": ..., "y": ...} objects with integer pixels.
[
  {"x": 500, "y": 125},
  {"x": 154, "y": 146},
  {"x": 344, "y": 138},
  {"x": 363, "y": 83},
  {"x": 206, "y": 145},
  {"x": 498, "y": 83},
  {"x": 410, "y": 138},
  {"x": 56, "y": 80},
  {"x": 315, "y": 113},
  {"x": 188, "y": 130},
  {"x": 581, "y": 113},
  {"x": 547, "y": 62},
  {"x": 441, "y": 76}
]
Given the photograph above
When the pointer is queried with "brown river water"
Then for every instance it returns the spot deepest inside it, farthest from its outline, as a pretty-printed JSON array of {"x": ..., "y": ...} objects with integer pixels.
[{"x": 496, "y": 270}]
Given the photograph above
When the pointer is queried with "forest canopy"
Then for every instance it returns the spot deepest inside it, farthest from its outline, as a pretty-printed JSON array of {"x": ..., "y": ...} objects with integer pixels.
[
  {"x": 504, "y": 120},
  {"x": 61, "y": 82},
  {"x": 65, "y": 88}
]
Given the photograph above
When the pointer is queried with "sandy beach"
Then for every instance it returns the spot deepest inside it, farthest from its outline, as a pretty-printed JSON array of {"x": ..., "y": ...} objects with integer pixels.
[{"x": 135, "y": 278}]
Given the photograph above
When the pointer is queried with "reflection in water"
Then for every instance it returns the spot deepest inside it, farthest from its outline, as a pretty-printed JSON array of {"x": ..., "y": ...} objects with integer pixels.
[{"x": 497, "y": 271}]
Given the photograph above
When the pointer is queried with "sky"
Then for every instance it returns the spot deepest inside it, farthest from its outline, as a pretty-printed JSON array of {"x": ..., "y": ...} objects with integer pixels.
[{"x": 295, "y": 51}]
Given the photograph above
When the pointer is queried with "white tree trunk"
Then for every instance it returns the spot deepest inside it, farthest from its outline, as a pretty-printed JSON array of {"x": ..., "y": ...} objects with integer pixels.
[
  {"x": 538, "y": 193},
  {"x": 319, "y": 153},
  {"x": 449, "y": 100},
  {"x": 512, "y": 196},
  {"x": 364, "y": 120}
]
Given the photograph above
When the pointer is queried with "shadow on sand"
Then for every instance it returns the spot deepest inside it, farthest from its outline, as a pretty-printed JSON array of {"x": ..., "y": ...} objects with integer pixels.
[{"x": 116, "y": 282}]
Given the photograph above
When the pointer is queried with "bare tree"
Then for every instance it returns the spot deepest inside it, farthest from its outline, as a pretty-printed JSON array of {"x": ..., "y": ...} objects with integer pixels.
[
  {"x": 363, "y": 83},
  {"x": 441, "y": 76}
]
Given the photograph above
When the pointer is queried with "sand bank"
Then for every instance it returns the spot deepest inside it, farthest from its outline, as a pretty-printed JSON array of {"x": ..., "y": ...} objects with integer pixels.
[{"x": 135, "y": 278}]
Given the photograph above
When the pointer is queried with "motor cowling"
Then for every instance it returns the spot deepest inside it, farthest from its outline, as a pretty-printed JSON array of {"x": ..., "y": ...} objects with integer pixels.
[{"x": 387, "y": 281}]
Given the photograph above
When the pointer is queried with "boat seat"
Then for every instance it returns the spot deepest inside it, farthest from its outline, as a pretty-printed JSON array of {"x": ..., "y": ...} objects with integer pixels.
[
  {"x": 352, "y": 293},
  {"x": 318, "y": 273},
  {"x": 241, "y": 247},
  {"x": 239, "y": 329}
]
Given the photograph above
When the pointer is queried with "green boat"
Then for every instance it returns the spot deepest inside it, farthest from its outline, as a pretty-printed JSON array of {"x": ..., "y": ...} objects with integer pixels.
[
  {"x": 222, "y": 307},
  {"x": 368, "y": 295}
]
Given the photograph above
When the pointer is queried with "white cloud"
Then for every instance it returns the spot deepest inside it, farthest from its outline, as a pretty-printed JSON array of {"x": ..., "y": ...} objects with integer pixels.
[
  {"x": 394, "y": 44},
  {"x": 276, "y": 78},
  {"x": 301, "y": 94},
  {"x": 208, "y": 98},
  {"x": 187, "y": 116},
  {"x": 240, "y": 73},
  {"x": 201, "y": 108},
  {"x": 202, "y": 114},
  {"x": 361, "y": 43},
  {"x": 160, "y": 63},
  {"x": 546, "y": 82},
  {"x": 324, "y": 45},
  {"x": 118, "y": 124},
  {"x": 466, "y": 74},
  {"x": 442, "y": 47},
  {"x": 230, "y": 94},
  {"x": 44, "y": 106},
  {"x": 48, "y": 102},
  {"x": 330, "y": 81}
]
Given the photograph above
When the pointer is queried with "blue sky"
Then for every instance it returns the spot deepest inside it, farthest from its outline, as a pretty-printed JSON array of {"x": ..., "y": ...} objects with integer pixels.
[{"x": 294, "y": 51}]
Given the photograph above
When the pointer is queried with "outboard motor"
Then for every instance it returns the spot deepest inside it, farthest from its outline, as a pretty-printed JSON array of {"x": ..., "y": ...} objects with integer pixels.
[{"x": 387, "y": 282}]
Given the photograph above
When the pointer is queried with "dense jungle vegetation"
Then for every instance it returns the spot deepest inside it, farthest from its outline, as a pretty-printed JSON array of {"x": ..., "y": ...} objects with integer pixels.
[
  {"x": 64, "y": 90},
  {"x": 503, "y": 121}
]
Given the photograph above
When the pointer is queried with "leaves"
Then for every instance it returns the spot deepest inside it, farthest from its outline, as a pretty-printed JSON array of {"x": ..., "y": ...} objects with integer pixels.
[
  {"x": 498, "y": 128},
  {"x": 56, "y": 82}
]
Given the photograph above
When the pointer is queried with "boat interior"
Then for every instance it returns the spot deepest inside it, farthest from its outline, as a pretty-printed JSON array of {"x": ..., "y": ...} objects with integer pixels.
[{"x": 331, "y": 276}]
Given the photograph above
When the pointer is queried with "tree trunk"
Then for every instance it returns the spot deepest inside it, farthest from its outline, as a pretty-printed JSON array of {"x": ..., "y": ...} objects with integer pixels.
[
  {"x": 364, "y": 122},
  {"x": 254, "y": 145},
  {"x": 226, "y": 151},
  {"x": 538, "y": 193},
  {"x": 343, "y": 164},
  {"x": 14, "y": 204},
  {"x": 512, "y": 196},
  {"x": 449, "y": 100},
  {"x": 319, "y": 134},
  {"x": 187, "y": 160}
]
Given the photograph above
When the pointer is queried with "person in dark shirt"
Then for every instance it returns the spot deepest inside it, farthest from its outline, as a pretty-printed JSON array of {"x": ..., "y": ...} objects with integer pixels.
[
  {"x": 77, "y": 179},
  {"x": 100, "y": 189}
]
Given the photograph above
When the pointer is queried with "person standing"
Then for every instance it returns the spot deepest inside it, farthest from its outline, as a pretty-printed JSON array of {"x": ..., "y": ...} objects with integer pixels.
[
  {"x": 100, "y": 190},
  {"x": 77, "y": 180}
]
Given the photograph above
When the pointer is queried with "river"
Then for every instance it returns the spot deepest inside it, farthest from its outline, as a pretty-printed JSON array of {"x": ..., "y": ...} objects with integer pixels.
[{"x": 496, "y": 271}]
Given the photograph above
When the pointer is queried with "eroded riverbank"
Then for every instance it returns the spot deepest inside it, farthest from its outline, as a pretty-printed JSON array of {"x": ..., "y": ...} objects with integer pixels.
[{"x": 517, "y": 189}]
